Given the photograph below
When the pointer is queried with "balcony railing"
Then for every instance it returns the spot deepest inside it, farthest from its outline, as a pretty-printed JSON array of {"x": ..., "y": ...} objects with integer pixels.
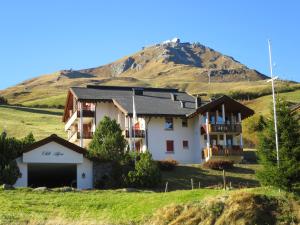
[
  {"x": 234, "y": 150},
  {"x": 86, "y": 113},
  {"x": 222, "y": 128},
  {"x": 138, "y": 133},
  {"x": 85, "y": 135}
]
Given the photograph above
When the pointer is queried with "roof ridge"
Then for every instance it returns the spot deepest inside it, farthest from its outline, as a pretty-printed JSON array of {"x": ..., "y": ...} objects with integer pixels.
[{"x": 127, "y": 88}]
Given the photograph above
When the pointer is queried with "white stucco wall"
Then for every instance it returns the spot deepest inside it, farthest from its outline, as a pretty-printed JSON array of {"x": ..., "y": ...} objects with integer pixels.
[
  {"x": 56, "y": 153},
  {"x": 23, "y": 180},
  {"x": 110, "y": 110},
  {"x": 87, "y": 168},
  {"x": 52, "y": 153},
  {"x": 157, "y": 137}
]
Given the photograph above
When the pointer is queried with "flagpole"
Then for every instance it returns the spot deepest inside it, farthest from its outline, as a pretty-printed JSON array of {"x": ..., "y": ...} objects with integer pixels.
[
  {"x": 133, "y": 122},
  {"x": 274, "y": 102}
]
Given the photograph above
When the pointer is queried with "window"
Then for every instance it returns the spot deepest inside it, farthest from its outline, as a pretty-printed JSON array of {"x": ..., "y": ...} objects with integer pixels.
[
  {"x": 169, "y": 123},
  {"x": 184, "y": 122},
  {"x": 170, "y": 146},
  {"x": 185, "y": 144}
]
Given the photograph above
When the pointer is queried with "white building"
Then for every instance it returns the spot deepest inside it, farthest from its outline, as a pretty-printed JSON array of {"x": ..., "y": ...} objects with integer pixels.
[{"x": 171, "y": 124}]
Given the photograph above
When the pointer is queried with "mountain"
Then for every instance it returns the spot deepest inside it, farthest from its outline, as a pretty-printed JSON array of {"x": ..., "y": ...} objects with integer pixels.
[{"x": 187, "y": 66}]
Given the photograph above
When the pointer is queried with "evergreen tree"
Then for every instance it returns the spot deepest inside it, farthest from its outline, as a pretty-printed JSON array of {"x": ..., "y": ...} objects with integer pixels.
[
  {"x": 287, "y": 173},
  {"x": 108, "y": 143},
  {"x": 146, "y": 173},
  {"x": 10, "y": 149}
]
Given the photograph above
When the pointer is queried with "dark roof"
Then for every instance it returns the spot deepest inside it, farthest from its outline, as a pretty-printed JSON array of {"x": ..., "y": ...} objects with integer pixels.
[
  {"x": 153, "y": 101},
  {"x": 58, "y": 140},
  {"x": 231, "y": 105}
]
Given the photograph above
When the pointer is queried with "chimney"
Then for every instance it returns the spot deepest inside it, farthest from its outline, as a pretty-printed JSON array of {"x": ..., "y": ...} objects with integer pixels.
[
  {"x": 173, "y": 97},
  {"x": 197, "y": 102},
  {"x": 182, "y": 104}
]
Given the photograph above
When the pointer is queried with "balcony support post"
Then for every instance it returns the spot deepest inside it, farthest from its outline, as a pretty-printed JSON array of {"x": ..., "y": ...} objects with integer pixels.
[
  {"x": 240, "y": 117},
  {"x": 241, "y": 135},
  {"x": 207, "y": 134},
  {"x": 223, "y": 114},
  {"x": 130, "y": 133},
  {"x": 81, "y": 124}
]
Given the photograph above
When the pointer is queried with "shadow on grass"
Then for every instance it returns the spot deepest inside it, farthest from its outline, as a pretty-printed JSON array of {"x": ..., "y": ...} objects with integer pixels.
[
  {"x": 32, "y": 110},
  {"x": 242, "y": 170},
  {"x": 180, "y": 178}
]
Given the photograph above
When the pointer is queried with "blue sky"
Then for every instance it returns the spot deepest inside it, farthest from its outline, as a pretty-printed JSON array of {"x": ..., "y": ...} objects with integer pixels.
[{"x": 40, "y": 37}]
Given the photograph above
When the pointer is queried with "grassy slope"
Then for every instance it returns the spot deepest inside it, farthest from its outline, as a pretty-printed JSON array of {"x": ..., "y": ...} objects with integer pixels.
[
  {"x": 240, "y": 176},
  {"x": 112, "y": 206},
  {"x": 262, "y": 105},
  {"x": 101, "y": 207},
  {"x": 19, "y": 121}
]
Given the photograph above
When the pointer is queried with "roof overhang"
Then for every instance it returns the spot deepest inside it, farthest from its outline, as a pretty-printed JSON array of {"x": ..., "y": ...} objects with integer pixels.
[
  {"x": 231, "y": 105},
  {"x": 59, "y": 140}
]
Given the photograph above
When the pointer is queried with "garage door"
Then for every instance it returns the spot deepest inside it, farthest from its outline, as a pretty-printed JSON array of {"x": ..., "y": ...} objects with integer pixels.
[{"x": 52, "y": 175}]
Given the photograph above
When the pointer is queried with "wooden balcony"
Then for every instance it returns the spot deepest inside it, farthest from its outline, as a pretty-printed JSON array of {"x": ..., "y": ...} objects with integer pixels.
[
  {"x": 86, "y": 113},
  {"x": 138, "y": 133},
  {"x": 222, "y": 128},
  {"x": 86, "y": 135},
  {"x": 234, "y": 150}
]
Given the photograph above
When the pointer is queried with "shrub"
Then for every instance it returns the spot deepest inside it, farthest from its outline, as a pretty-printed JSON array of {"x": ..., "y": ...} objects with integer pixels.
[
  {"x": 167, "y": 165},
  {"x": 146, "y": 173},
  {"x": 219, "y": 164},
  {"x": 3, "y": 101},
  {"x": 10, "y": 173},
  {"x": 10, "y": 149}
]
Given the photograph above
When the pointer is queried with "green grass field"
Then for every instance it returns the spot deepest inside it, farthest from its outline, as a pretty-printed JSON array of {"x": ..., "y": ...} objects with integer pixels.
[
  {"x": 19, "y": 121},
  {"x": 23, "y": 206}
]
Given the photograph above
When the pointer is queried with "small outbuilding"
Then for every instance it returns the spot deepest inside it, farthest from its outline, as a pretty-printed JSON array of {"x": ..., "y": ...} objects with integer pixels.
[{"x": 55, "y": 162}]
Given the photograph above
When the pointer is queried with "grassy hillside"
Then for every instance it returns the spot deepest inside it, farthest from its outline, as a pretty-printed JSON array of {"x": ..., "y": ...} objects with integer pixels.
[
  {"x": 24, "y": 206},
  {"x": 19, "y": 121},
  {"x": 262, "y": 105}
]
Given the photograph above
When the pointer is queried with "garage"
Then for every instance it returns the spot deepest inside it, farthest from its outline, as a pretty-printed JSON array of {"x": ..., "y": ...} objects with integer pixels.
[
  {"x": 55, "y": 162},
  {"x": 52, "y": 175}
]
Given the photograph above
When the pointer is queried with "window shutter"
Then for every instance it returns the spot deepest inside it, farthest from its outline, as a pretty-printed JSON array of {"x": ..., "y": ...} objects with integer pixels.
[{"x": 170, "y": 146}]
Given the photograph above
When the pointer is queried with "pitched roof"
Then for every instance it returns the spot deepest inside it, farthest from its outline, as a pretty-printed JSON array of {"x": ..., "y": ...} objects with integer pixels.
[
  {"x": 231, "y": 105},
  {"x": 59, "y": 140},
  {"x": 153, "y": 101}
]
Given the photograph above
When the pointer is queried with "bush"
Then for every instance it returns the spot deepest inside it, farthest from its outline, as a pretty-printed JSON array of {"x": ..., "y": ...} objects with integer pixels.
[
  {"x": 146, "y": 173},
  {"x": 167, "y": 165},
  {"x": 219, "y": 164},
  {"x": 10, "y": 149},
  {"x": 3, "y": 101},
  {"x": 10, "y": 173}
]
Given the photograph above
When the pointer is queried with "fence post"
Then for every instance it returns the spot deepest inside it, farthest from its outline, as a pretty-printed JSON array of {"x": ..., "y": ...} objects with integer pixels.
[
  {"x": 192, "y": 183},
  {"x": 199, "y": 184},
  {"x": 166, "y": 188},
  {"x": 224, "y": 180}
]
